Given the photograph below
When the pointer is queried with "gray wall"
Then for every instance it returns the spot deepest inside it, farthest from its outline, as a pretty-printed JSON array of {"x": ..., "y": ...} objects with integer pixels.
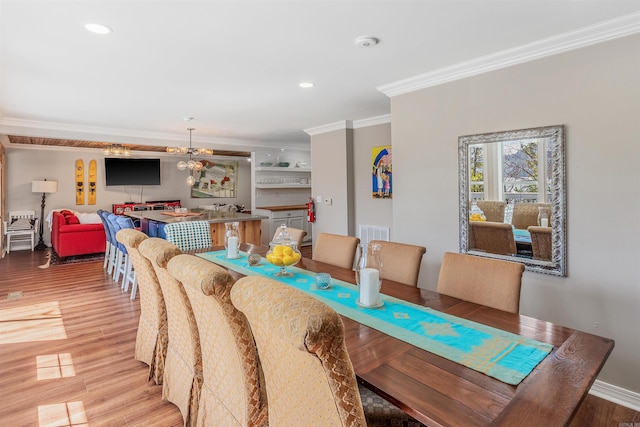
[
  {"x": 330, "y": 157},
  {"x": 368, "y": 210},
  {"x": 26, "y": 165},
  {"x": 595, "y": 93}
]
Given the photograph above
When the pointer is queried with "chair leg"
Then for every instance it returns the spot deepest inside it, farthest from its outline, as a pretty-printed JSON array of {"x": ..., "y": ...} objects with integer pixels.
[
  {"x": 8, "y": 243},
  {"x": 119, "y": 267},
  {"x": 112, "y": 259},
  {"x": 107, "y": 251},
  {"x": 127, "y": 275},
  {"x": 134, "y": 287}
]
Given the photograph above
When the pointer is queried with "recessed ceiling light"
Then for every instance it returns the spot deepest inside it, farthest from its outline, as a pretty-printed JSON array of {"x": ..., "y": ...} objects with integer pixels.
[
  {"x": 306, "y": 85},
  {"x": 98, "y": 28}
]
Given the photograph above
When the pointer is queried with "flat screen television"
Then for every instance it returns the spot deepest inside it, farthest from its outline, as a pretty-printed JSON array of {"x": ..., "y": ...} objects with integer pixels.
[{"x": 127, "y": 171}]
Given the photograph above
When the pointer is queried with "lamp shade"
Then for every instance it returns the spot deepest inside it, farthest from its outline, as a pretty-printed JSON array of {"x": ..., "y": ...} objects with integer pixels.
[{"x": 44, "y": 186}]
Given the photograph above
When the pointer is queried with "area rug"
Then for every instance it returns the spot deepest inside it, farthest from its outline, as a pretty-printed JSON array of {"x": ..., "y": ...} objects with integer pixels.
[
  {"x": 381, "y": 413},
  {"x": 52, "y": 258}
]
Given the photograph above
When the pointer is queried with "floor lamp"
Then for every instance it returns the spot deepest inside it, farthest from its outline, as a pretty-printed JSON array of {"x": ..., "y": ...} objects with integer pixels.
[{"x": 43, "y": 187}]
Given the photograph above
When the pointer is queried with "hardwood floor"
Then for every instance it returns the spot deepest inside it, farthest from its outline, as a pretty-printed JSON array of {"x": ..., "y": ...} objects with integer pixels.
[{"x": 67, "y": 336}]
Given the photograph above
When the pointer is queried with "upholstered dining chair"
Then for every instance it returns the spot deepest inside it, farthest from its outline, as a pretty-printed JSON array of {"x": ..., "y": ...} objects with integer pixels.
[
  {"x": 492, "y": 237},
  {"x": 116, "y": 257},
  {"x": 490, "y": 282},
  {"x": 183, "y": 364},
  {"x": 526, "y": 214},
  {"x": 152, "y": 337},
  {"x": 493, "y": 209},
  {"x": 540, "y": 242},
  {"x": 126, "y": 267},
  {"x": 296, "y": 234},
  {"x": 107, "y": 251},
  {"x": 233, "y": 388},
  {"x": 400, "y": 261},
  {"x": 309, "y": 377},
  {"x": 189, "y": 235},
  {"x": 335, "y": 249}
]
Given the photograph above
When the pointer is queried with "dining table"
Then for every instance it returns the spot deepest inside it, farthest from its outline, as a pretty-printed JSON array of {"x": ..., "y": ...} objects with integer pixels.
[{"x": 440, "y": 392}]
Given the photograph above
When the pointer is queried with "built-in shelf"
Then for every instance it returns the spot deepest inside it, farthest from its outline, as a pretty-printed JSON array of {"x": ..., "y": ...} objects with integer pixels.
[
  {"x": 283, "y": 185},
  {"x": 277, "y": 169}
]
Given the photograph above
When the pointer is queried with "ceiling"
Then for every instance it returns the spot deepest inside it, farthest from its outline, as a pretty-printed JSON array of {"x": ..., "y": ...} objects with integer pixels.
[{"x": 235, "y": 66}]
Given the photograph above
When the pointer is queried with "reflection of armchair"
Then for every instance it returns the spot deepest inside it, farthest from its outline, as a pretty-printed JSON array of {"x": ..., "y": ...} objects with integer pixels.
[
  {"x": 21, "y": 227},
  {"x": 526, "y": 214},
  {"x": 540, "y": 242},
  {"x": 493, "y": 209},
  {"x": 493, "y": 237}
]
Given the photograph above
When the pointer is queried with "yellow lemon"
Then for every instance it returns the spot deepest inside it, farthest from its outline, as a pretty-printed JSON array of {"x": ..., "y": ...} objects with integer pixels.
[
  {"x": 288, "y": 260},
  {"x": 279, "y": 249},
  {"x": 287, "y": 251},
  {"x": 296, "y": 257}
]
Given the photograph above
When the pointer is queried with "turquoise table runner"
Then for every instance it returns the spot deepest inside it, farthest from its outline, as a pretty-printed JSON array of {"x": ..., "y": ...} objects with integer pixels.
[
  {"x": 502, "y": 355},
  {"x": 521, "y": 236}
]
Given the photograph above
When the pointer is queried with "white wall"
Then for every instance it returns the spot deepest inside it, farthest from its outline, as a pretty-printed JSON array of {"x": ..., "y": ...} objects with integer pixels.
[
  {"x": 595, "y": 93},
  {"x": 26, "y": 165}
]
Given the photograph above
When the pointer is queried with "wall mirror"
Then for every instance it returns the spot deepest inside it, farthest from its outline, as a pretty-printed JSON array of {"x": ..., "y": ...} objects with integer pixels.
[{"x": 513, "y": 197}]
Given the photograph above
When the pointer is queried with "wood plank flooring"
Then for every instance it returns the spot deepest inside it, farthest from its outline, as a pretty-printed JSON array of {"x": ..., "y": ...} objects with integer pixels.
[{"x": 67, "y": 336}]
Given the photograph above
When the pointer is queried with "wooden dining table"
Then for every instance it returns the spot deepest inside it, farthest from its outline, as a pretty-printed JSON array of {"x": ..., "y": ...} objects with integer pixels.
[{"x": 440, "y": 392}]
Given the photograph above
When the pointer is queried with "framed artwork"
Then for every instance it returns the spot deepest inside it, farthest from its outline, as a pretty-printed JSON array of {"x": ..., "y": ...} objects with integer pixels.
[
  {"x": 216, "y": 179},
  {"x": 381, "y": 173}
]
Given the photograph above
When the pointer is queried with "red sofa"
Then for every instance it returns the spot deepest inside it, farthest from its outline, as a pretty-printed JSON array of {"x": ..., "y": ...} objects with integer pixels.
[{"x": 69, "y": 237}]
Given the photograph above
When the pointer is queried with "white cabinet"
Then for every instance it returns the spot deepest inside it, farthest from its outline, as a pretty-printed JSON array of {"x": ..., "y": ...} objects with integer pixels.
[{"x": 295, "y": 218}]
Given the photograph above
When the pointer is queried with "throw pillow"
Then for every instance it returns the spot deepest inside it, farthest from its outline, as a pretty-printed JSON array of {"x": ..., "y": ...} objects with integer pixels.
[
  {"x": 20, "y": 224},
  {"x": 72, "y": 219},
  {"x": 89, "y": 218}
]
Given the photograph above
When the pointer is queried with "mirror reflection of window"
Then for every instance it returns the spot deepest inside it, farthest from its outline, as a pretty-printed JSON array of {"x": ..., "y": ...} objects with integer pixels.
[{"x": 515, "y": 177}]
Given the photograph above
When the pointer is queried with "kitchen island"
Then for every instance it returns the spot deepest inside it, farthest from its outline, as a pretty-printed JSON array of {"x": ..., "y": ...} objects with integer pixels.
[{"x": 152, "y": 223}]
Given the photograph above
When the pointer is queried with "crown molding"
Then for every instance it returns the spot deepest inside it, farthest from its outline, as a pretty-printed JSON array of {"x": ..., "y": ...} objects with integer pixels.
[
  {"x": 372, "y": 121},
  {"x": 343, "y": 124},
  {"x": 607, "y": 30}
]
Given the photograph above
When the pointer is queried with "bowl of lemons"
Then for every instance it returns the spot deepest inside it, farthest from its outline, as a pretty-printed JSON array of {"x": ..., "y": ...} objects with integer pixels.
[{"x": 283, "y": 252}]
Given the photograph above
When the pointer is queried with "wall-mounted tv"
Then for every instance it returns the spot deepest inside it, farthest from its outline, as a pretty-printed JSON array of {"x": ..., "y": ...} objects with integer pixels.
[{"x": 128, "y": 171}]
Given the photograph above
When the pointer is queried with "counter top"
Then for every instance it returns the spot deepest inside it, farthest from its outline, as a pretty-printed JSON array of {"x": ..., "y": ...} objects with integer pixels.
[
  {"x": 283, "y": 208},
  {"x": 206, "y": 215}
]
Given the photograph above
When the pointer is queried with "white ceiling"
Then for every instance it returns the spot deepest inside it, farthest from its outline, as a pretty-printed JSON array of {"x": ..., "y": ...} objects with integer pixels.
[{"x": 235, "y": 65}]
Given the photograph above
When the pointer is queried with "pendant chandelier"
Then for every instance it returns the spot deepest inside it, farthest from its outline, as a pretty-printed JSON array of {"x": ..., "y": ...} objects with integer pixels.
[{"x": 191, "y": 164}]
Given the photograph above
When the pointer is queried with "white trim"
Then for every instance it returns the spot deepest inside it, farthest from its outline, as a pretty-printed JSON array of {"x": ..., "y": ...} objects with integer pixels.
[
  {"x": 343, "y": 124},
  {"x": 372, "y": 121},
  {"x": 617, "y": 395},
  {"x": 607, "y": 30}
]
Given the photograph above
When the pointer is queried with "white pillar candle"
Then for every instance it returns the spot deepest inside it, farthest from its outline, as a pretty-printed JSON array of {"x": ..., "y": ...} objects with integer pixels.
[
  {"x": 369, "y": 286},
  {"x": 232, "y": 247},
  {"x": 544, "y": 222}
]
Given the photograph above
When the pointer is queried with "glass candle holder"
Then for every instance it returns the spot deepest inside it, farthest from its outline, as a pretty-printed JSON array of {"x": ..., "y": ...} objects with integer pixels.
[{"x": 322, "y": 280}]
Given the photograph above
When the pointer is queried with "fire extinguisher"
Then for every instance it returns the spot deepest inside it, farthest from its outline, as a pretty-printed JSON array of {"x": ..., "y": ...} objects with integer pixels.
[{"x": 311, "y": 211}]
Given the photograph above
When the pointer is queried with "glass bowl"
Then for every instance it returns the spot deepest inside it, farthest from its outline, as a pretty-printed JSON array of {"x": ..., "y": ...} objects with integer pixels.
[{"x": 283, "y": 252}]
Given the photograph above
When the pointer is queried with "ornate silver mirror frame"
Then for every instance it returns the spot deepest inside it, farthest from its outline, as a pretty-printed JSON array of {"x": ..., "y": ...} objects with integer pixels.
[{"x": 554, "y": 137}]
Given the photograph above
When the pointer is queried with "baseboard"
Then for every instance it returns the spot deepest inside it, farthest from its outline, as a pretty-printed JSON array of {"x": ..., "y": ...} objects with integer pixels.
[{"x": 617, "y": 395}]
